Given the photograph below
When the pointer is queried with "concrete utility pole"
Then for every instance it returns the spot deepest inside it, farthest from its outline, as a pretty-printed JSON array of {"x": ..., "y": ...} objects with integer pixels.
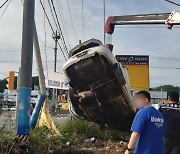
[
  {"x": 56, "y": 37},
  {"x": 17, "y": 95},
  {"x": 41, "y": 98},
  {"x": 26, "y": 70}
]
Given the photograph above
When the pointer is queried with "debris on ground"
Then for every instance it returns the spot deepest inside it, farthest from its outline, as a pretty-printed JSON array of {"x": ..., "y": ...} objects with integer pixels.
[
  {"x": 78, "y": 137},
  {"x": 108, "y": 147}
]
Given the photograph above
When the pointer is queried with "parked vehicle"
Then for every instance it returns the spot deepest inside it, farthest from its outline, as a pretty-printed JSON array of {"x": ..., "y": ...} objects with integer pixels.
[
  {"x": 13, "y": 108},
  {"x": 5, "y": 108}
]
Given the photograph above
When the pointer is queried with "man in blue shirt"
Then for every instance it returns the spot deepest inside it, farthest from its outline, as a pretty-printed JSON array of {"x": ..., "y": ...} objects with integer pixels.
[
  {"x": 147, "y": 127},
  {"x": 171, "y": 114}
]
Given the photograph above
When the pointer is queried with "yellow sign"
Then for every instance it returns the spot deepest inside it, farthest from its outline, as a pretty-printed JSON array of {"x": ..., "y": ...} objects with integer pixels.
[
  {"x": 138, "y": 70},
  {"x": 138, "y": 77}
]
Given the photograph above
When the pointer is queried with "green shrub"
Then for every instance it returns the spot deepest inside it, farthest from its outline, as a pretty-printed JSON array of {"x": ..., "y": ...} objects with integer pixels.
[
  {"x": 6, "y": 141},
  {"x": 77, "y": 130}
]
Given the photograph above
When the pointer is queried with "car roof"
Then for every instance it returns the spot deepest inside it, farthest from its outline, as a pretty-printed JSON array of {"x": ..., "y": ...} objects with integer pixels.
[{"x": 83, "y": 46}]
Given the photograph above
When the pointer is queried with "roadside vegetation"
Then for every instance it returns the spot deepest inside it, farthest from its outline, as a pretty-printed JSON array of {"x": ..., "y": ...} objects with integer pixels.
[{"x": 77, "y": 136}]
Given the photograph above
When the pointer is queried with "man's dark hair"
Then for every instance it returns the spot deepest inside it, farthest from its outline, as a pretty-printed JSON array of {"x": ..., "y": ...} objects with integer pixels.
[
  {"x": 145, "y": 94},
  {"x": 174, "y": 96}
]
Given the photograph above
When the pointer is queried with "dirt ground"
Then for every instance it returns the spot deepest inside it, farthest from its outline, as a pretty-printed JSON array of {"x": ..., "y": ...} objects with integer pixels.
[
  {"x": 97, "y": 147},
  {"x": 108, "y": 147}
]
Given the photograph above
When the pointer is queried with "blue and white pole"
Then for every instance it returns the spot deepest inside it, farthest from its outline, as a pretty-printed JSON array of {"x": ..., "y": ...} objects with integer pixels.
[
  {"x": 25, "y": 83},
  {"x": 23, "y": 113},
  {"x": 36, "y": 111}
]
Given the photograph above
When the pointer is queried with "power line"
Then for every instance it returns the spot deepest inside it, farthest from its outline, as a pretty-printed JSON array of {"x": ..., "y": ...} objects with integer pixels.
[
  {"x": 61, "y": 50},
  {"x": 155, "y": 57},
  {"x": 4, "y": 4},
  {"x": 5, "y": 8},
  {"x": 47, "y": 16},
  {"x": 44, "y": 43},
  {"x": 51, "y": 26},
  {"x": 165, "y": 58},
  {"x": 52, "y": 14},
  {"x": 11, "y": 51},
  {"x": 104, "y": 14},
  {"x": 83, "y": 18},
  {"x": 18, "y": 61},
  {"x": 176, "y": 68},
  {"x": 72, "y": 20},
  {"x": 172, "y": 2},
  {"x": 63, "y": 22},
  {"x": 144, "y": 27},
  {"x": 57, "y": 26},
  {"x": 62, "y": 37},
  {"x": 45, "y": 51}
]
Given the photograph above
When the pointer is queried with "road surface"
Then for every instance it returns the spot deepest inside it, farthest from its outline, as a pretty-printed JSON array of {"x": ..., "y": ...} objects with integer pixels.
[{"x": 7, "y": 119}]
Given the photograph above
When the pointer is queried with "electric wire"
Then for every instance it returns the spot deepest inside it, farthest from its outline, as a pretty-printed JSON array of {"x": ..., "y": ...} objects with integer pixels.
[
  {"x": 51, "y": 26},
  {"x": 172, "y": 2},
  {"x": 18, "y": 61},
  {"x": 83, "y": 19},
  {"x": 52, "y": 14},
  {"x": 72, "y": 20},
  {"x": 165, "y": 58},
  {"x": 62, "y": 52},
  {"x": 62, "y": 19},
  {"x": 59, "y": 28},
  {"x": 46, "y": 16},
  {"x": 45, "y": 51},
  {"x": 61, "y": 34},
  {"x": 157, "y": 67},
  {"x": 144, "y": 27},
  {"x": 4, "y": 4},
  {"x": 5, "y": 8}
]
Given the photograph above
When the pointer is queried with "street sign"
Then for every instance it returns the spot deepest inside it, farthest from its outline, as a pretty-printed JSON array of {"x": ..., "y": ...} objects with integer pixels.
[
  {"x": 133, "y": 59},
  {"x": 138, "y": 70},
  {"x": 56, "y": 81}
]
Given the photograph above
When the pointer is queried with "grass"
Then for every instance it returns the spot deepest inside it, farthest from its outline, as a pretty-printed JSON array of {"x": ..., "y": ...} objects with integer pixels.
[
  {"x": 77, "y": 130},
  {"x": 73, "y": 131},
  {"x": 80, "y": 130},
  {"x": 6, "y": 141}
]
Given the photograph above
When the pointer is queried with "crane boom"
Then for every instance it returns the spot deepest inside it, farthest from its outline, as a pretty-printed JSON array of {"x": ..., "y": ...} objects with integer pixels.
[{"x": 162, "y": 18}]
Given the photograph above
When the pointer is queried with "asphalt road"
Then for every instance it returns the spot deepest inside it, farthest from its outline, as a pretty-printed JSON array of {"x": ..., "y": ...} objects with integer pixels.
[{"x": 7, "y": 119}]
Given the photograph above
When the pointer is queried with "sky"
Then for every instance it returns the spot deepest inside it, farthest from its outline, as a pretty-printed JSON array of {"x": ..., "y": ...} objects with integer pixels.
[{"x": 161, "y": 44}]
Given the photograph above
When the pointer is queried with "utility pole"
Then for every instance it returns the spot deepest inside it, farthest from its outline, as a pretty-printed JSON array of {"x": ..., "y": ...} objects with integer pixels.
[
  {"x": 41, "y": 98},
  {"x": 17, "y": 95},
  {"x": 56, "y": 37},
  {"x": 26, "y": 71}
]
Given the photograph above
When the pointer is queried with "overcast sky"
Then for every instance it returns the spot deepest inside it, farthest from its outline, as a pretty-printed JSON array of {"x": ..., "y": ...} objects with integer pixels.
[{"x": 160, "y": 44}]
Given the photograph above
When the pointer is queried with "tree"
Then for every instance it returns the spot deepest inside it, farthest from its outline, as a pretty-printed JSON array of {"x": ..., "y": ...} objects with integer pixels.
[
  {"x": 3, "y": 85},
  {"x": 167, "y": 88},
  {"x": 3, "y": 82}
]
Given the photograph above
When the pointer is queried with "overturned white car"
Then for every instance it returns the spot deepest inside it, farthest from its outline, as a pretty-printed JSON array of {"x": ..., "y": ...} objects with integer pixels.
[{"x": 99, "y": 87}]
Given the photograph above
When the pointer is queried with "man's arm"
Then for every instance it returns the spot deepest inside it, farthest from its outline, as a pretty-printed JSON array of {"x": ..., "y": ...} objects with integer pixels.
[{"x": 133, "y": 140}]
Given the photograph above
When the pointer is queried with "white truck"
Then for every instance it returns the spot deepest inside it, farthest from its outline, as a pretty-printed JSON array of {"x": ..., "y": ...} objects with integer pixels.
[{"x": 99, "y": 86}]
